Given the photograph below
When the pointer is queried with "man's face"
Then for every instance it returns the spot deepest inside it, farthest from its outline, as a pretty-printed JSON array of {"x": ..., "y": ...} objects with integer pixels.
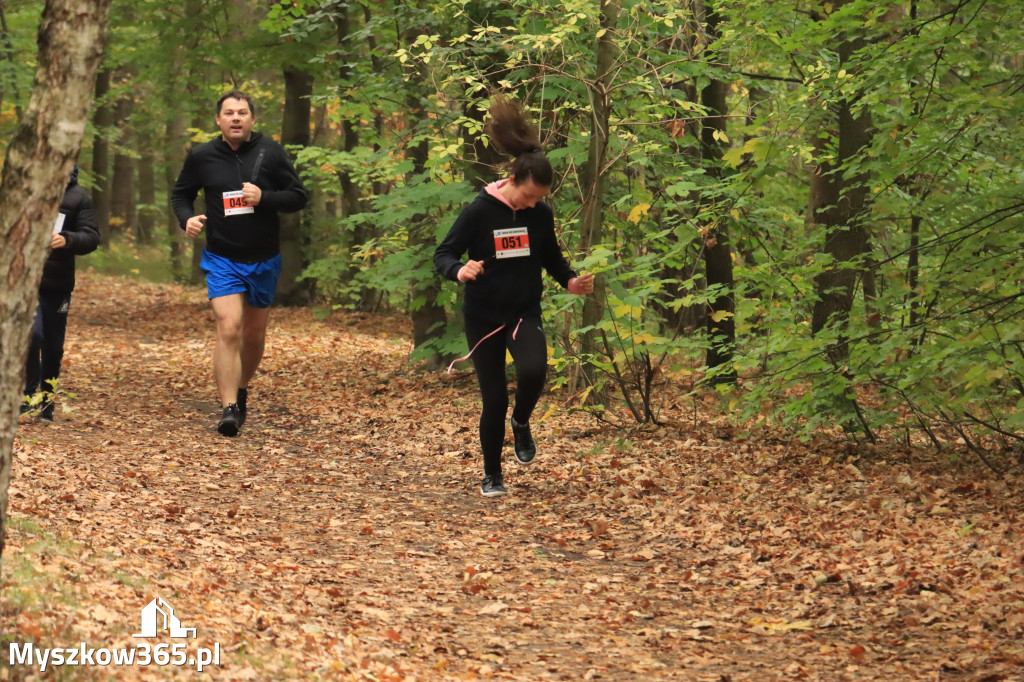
[
  {"x": 235, "y": 121},
  {"x": 526, "y": 194}
]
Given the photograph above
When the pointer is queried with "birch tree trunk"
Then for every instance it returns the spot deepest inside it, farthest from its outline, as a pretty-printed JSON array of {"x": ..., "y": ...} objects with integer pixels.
[{"x": 39, "y": 160}]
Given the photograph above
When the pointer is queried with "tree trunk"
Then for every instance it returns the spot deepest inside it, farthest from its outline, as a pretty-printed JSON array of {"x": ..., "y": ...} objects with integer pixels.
[
  {"x": 428, "y": 318},
  {"x": 147, "y": 196},
  {"x": 175, "y": 148},
  {"x": 39, "y": 159},
  {"x": 295, "y": 130},
  {"x": 103, "y": 120},
  {"x": 122, "y": 190},
  {"x": 838, "y": 203},
  {"x": 720, "y": 320},
  {"x": 351, "y": 196},
  {"x": 592, "y": 210}
]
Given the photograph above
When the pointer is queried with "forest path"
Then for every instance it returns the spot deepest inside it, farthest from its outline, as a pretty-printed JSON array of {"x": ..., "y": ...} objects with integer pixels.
[{"x": 342, "y": 534}]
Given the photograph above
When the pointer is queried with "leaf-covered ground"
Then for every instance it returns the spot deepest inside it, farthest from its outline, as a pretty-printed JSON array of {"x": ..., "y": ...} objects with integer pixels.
[{"x": 342, "y": 535}]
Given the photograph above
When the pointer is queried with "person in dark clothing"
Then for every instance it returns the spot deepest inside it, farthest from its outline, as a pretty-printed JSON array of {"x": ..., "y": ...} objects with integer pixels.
[
  {"x": 247, "y": 179},
  {"x": 509, "y": 236},
  {"x": 75, "y": 233}
]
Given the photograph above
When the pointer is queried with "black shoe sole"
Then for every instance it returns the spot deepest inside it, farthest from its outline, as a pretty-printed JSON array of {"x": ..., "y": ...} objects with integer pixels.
[
  {"x": 228, "y": 428},
  {"x": 526, "y": 462},
  {"x": 494, "y": 493}
]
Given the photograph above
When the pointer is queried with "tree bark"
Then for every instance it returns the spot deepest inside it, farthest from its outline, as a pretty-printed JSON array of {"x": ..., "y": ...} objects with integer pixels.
[{"x": 39, "y": 159}]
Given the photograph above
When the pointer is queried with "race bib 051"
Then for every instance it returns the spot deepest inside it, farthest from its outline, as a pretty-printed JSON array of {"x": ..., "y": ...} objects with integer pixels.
[
  {"x": 513, "y": 242},
  {"x": 234, "y": 204}
]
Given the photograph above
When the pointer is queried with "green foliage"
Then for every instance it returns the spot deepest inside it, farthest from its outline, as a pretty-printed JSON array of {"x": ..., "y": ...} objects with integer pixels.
[
  {"x": 930, "y": 340},
  {"x": 17, "y": 63}
]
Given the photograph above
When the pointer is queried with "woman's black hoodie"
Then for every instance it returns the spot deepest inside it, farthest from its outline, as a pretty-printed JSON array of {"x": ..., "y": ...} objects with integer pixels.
[{"x": 509, "y": 288}]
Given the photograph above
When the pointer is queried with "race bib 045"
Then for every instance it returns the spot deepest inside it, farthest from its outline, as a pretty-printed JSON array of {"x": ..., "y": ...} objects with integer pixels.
[
  {"x": 513, "y": 242},
  {"x": 234, "y": 204}
]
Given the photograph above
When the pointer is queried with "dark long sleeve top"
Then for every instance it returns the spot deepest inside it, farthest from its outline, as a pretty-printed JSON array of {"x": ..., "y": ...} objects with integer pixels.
[
  {"x": 511, "y": 285},
  {"x": 82, "y": 235},
  {"x": 216, "y": 168}
]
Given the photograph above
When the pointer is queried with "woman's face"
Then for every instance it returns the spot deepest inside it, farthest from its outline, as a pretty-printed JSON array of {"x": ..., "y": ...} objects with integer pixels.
[{"x": 524, "y": 195}]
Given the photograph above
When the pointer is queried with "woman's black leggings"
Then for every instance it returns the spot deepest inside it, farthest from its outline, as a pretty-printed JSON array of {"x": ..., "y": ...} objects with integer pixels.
[{"x": 529, "y": 351}]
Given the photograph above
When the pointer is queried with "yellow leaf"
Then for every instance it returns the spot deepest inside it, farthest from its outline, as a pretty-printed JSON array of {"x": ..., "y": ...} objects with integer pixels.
[
  {"x": 720, "y": 315},
  {"x": 627, "y": 311},
  {"x": 638, "y": 212}
]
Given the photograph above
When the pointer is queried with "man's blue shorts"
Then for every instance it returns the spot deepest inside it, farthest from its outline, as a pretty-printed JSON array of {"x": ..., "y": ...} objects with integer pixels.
[{"x": 258, "y": 281}]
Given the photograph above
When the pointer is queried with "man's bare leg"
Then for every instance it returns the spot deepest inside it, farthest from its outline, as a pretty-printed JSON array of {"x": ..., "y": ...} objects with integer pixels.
[
  {"x": 227, "y": 358},
  {"x": 254, "y": 337}
]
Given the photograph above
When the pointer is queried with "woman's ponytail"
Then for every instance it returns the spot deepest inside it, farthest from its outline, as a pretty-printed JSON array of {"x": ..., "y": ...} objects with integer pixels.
[{"x": 513, "y": 134}]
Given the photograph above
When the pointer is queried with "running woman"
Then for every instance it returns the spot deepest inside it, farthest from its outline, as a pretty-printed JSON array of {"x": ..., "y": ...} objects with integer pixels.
[
  {"x": 247, "y": 179},
  {"x": 509, "y": 236}
]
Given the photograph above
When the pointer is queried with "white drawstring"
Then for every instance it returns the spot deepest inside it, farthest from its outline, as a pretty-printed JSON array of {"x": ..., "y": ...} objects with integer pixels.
[{"x": 470, "y": 353}]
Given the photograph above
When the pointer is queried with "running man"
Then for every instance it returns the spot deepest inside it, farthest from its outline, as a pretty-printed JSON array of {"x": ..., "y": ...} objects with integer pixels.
[{"x": 247, "y": 179}]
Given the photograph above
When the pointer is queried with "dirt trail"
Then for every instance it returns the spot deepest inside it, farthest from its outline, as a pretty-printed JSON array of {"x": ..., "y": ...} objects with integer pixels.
[{"x": 342, "y": 535}]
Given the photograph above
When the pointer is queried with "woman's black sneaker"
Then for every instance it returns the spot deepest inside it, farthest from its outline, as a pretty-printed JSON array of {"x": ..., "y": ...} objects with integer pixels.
[
  {"x": 525, "y": 448},
  {"x": 229, "y": 422},
  {"x": 492, "y": 486}
]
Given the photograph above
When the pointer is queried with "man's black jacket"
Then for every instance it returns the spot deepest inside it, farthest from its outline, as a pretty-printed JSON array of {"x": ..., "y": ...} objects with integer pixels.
[
  {"x": 82, "y": 235},
  {"x": 216, "y": 168}
]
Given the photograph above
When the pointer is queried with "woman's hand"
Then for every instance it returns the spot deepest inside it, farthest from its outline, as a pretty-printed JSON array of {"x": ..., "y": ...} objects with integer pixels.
[
  {"x": 584, "y": 284},
  {"x": 470, "y": 271}
]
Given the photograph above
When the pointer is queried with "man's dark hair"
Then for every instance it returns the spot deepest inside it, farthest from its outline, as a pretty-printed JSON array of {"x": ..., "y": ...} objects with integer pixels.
[{"x": 237, "y": 94}]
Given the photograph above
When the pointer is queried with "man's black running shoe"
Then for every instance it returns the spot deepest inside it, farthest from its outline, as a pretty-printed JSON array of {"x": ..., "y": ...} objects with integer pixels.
[
  {"x": 229, "y": 422},
  {"x": 243, "y": 398}
]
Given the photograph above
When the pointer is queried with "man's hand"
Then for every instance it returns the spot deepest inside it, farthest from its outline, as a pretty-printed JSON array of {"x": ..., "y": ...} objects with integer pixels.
[
  {"x": 470, "y": 271},
  {"x": 251, "y": 193},
  {"x": 195, "y": 225},
  {"x": 584, "y": 284},
  {"x": 58, "y": 241}
]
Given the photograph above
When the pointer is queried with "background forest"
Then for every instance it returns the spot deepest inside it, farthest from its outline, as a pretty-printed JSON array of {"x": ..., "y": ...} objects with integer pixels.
[{"x": 814, "y": 207}]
